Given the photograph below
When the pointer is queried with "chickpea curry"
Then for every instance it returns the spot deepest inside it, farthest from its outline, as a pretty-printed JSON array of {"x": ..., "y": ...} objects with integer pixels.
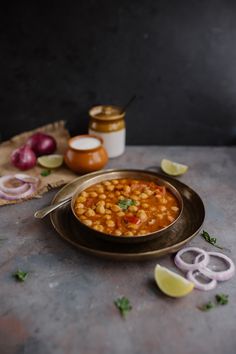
[{"x": 127, "y": 207}]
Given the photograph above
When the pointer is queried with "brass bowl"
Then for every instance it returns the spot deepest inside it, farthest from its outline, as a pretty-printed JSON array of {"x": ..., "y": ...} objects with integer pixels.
[{"x": 119, "y": 174}]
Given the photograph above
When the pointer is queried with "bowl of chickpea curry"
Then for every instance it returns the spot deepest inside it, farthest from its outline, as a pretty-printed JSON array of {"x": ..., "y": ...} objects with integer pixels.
[{"x": 127, "y": 206}]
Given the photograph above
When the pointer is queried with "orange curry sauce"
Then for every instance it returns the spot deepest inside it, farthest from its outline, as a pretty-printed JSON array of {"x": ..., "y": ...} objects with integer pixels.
[{"x": 126, "y": 207}]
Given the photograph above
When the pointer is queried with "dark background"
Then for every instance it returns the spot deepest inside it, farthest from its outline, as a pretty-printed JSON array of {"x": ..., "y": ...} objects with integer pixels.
[{"x": 178, "y": 57}]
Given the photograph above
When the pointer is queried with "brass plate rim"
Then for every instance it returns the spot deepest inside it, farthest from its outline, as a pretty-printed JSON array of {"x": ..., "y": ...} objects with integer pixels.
[{"x": 119, "y": 255}]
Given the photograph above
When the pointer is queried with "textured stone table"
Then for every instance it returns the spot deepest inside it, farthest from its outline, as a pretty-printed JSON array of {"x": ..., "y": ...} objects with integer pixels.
[{"x": 66, "y": 304}]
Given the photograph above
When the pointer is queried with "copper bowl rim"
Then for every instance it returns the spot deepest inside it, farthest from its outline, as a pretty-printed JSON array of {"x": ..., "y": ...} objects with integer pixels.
[{"x": 127, "y": 173}]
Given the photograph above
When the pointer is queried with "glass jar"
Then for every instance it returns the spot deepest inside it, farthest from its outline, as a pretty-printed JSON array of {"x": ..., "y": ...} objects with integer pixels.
[{"x": 108, "y": 122}]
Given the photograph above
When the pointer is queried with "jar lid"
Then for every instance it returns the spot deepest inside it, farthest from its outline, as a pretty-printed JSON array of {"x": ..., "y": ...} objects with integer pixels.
[{"x": 106, "y": 112}]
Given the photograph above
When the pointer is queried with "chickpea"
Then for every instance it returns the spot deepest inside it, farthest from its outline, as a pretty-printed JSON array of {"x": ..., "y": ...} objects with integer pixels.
[
  {"x": 107, "y": 183},
  {"x": 90, "y": 212},
  {"x": 100, "y": 209},
  {"x": 164, "y": 200},
  {"x": 137, "y": 192},
  {"x": 134, "y": 197},
  {"x": 93, "y": 194},
  {"x": 100, "y": 190},
  {"x": 148, "y": 192},
  {"x": 143, "y": 196},
  {"x": 111, "y": 195},
  {"x": 121, "y": 213},
  {"x": 129, "y": 233},
  {"x": 117, "y": 232},
  {"x": 121, "y": 197},
  {"x": 119, "y": 186},
  {"x": 160, "y": 216},
  {"x": 170, "y": 218},
  {"x": 107, "y": 217},
  {"x": 153, "y": 209},
  {"x": 115, "y": 208},
  {"x": 127, "y": 189},
  {"x": 98, "y": 227},
  {"x": 137, "y": 203},
  {"x": 102, "y": 196},
  {"x": 133, "y": 208},
  {"x": 123, "y": 181},
  {"x": 108, "y": 205},
  {"x": 152, "y": 222},
  {"x": 88, "y": 222},
  {"x": 79, "y": 205},
  {"x": 110, "y": 223},
  {"x": 143, "y": 232},
  {"x": 110, "y": 188},
  {"x": 174, "y": 208},
  {"x": 108, "y": 211},
  {"x": 141, "y": 214},
  {"x": 81, "y": 199},
  {"x": 84, "y": 194},
  {"x": 83, "y": 217},
  {"x": 145, "y": 205},
  {"x": 163, "y": 208},
  {"x": 117, "y": 193},
  {"x": 133, "y": 226},
  {"x": 100, "y": 203},
  {"x": 80, "y": 211},
  {"x": 158, "y": 196}
]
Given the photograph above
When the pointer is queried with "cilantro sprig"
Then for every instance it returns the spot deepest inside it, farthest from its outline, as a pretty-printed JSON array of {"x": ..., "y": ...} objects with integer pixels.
[
  {"x": 20, "y": 275},
  {"x": 45, "y": 173},
  {"x": 123, "y": 305},
  {"x": 211, "y": 240},
  {"x": 220, "y": 299},
  {"x": 125, "y": 203}
]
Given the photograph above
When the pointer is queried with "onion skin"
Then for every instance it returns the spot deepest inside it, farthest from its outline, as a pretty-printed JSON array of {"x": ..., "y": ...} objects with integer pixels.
[
  {"x": 42, "y": 144},
  {"x": 23, "y": 158},
  {"x": 197, "y": 284},
  {"x": 181, "y": 264}
]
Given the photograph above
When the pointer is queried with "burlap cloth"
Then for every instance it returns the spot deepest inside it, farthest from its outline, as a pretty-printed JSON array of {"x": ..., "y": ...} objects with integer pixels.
[{"x": 57, "y": 178}]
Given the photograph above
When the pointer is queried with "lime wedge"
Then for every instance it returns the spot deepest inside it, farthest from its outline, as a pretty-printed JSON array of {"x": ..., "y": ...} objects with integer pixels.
[
  {"x": 171, "y": 283},
  {"x": 50, "y": 161},
  {"x": 173, "y": 168}
]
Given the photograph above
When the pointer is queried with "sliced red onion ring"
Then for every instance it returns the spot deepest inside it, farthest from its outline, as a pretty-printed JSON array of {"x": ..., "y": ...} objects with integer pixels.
[
  {"x": 25, "y": 178},
  {"x": 23, "y": 191},
  {"x": 192, "y": 274},
  {"x": 181, "y": 264},
  {"x": 16, "y": 190},
  {"x": 218, "y": 275}
]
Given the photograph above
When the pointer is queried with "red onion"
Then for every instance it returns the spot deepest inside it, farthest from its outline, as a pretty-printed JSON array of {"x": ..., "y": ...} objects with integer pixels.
[
  {"x": 192, "y": 274},
  {"x": 23, "y": 158},
  {"x": 219, "y": 275},
  {"x": 181, "y": 264},
  {"x": 202, "y": 267},
  {"x": 42, "y": 144},
  {"x": 23, "y": 191}
]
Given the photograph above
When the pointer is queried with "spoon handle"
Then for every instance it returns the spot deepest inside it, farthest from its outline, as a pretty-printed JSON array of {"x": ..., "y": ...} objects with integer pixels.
[{"x": 40, "y": 214}]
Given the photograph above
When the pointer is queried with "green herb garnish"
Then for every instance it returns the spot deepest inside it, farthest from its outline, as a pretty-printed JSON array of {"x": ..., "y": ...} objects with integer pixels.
[
  {"x": 211, "y": 240},
  {"x": 123, "y": 305},
  {"x": 20, "y": 275},
  {"x": 222, "y": 299},
  {"x": 125, "y": 203},
  {"x": 207, "y": 307},
  {"x": 45, "y": 173}
]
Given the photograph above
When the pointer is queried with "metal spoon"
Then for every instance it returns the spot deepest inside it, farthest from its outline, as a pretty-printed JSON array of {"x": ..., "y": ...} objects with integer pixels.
[{"x": 40, "y": 214}]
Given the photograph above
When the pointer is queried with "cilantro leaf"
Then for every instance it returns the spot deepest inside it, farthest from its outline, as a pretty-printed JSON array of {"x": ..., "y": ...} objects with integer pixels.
[
  {"x": 125, "y": 203},
  {"x": 45, "y": 173},
  {"x": 222, "y": 299},
  {"x": 123, "y": 305},
  {"x": 211, "y": 240},
  {"x": 20, "y": 275},
  {"x": 207, "y": 307}
]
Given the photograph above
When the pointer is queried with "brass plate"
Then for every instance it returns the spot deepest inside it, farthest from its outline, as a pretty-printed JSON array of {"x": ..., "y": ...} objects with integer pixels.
[{"x": 170, "y": 241}]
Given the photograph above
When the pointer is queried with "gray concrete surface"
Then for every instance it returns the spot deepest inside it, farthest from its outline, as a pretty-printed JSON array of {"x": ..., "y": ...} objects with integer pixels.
[{"x": 66, "y": 304}]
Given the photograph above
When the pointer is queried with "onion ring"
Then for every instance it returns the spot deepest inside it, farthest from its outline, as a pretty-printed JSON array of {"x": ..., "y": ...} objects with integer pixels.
[
  {"x": 16, "y": 190},
  {"x": 180, "y": 263},
  {"x": 197, "y": 284},
  {"x": 221, "y": 275},
  {"x": 20, "y": 192}
]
